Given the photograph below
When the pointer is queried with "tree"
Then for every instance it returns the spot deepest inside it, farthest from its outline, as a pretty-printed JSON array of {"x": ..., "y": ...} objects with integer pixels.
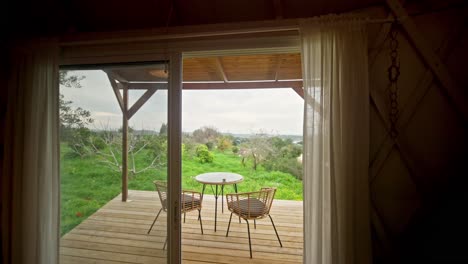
[
  {"x": 69, "y": 80},
  {"x": 285, "y": 147},
  {"x": 284, "y": 157},
  {"x": 206, "y": 134},
  {"x": 149, "y": 149},
  {"x": 73, "y": 117},
  {"x": 256, "y": 149},
  {"x": 73, "y": 120}
]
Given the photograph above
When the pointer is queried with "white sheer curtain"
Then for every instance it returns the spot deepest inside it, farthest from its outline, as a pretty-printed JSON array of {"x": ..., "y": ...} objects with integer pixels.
[
  {"x": 30, "y": 182},
  {"x": 336, "y": 141}
]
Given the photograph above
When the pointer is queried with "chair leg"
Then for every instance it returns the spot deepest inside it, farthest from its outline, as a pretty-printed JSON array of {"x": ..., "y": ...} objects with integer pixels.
[
  {"x": 274, "y": 227},
  {"x": 184, "y": 218},
  {"x": 156, "y": 218},
  {"x": 201, "y": 224},
  {"x": 229, "y": 225},
  {"x": 248, "y": 232},
  {"x": 255, "y": 224}
]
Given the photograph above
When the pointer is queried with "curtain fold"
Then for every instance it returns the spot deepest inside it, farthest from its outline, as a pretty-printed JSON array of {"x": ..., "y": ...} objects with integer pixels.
[
  {"x": 336, "y": 141},
  {"x": 30, "y": 176}
]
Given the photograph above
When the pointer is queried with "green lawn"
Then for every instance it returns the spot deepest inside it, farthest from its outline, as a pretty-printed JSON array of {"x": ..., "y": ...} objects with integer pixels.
[{"x": 87, "y": 184}]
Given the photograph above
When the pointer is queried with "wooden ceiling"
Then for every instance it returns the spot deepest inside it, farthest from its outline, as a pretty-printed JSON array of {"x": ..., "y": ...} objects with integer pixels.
[
  {"x": 266, "y": 68},
  {"x": 273, "y": 67}
]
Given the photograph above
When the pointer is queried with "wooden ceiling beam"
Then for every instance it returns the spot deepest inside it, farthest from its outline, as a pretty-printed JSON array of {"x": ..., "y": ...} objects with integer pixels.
[
  {"x": 241, "y": 85},
  {"x": 140, "y": 102},
  {"x": 220, "y": 67},
  {"x": 115, "y": 76},
  {"x": 147, "y": 86},
  {"x": 299, "y": 91},
  {"x": 278, "y": 66},
  {"x": 115, "y": 88},
  {"x": 217, "y": 86}
]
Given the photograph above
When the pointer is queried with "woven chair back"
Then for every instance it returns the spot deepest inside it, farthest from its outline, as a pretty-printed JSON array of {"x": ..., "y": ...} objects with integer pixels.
[
  {"x": 161, "y": 188},
  {"x": 251, "y": 205},
  {"x": 267, "y": 196}
]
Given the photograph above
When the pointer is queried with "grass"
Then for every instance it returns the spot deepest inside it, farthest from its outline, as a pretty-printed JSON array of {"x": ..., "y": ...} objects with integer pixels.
[{"x": 87, "y": 184}]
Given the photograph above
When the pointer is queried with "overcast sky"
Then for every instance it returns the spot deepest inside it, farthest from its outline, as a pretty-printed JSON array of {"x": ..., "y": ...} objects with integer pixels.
[{"x": 275, "y": 111}]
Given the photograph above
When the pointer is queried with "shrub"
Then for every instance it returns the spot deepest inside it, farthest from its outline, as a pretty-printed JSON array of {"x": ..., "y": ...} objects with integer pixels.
[
  {"x": 98, "y": 142},
  {"x": 235, "y": 149},
  {"x": 284, "y": 164},
  {"x": 209, "y": 145},
  {"x": 291, "y": 151},
  {"x": 224, "y": 143},
  {"x": 203, "y": 154},
  {"x": 158, "y": 148}
]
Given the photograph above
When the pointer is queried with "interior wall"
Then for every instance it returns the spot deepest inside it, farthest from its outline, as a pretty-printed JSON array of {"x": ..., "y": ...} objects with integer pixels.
[{"x": 419, "y": 192}]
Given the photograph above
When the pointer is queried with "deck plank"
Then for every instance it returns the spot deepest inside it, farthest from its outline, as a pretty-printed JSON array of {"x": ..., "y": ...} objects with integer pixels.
[{"x": 117, "y": 233}]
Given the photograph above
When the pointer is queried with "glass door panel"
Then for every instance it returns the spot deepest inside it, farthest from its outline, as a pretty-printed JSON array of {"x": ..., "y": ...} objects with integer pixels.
[{"x": 116, "y": 196}]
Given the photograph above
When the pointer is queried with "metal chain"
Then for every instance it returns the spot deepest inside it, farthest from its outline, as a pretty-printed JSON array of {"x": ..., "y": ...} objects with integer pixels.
[{"x": 393, "y": 74}]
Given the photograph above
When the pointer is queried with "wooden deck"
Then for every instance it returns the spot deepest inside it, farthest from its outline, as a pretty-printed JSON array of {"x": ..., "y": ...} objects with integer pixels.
[{"x": 117, "y": 233}]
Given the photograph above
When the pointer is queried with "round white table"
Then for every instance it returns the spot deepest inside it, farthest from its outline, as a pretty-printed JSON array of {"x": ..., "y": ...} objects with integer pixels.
[{"x": 218, "y": 179}]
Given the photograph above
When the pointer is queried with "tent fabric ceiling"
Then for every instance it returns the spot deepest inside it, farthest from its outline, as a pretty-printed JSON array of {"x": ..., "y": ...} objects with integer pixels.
[
  {"x": 53, "y": 17},
  {"x": 123, "y": 14},
  {"x": 56, "y": 16}
]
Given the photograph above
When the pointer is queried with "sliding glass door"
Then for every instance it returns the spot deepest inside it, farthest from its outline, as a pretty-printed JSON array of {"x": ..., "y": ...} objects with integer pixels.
[{"x": 120, "y": 162}]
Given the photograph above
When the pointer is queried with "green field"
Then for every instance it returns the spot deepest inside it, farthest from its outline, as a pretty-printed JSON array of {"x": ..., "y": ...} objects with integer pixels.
[{"x": 87, "y": 184}]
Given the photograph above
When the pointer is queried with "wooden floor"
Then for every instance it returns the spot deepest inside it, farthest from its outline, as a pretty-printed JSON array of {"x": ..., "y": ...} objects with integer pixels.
[{"x": 117, "y": 233}]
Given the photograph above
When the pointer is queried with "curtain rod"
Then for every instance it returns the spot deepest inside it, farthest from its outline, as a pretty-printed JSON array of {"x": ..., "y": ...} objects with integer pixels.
[{"x": 201, "y": 31}]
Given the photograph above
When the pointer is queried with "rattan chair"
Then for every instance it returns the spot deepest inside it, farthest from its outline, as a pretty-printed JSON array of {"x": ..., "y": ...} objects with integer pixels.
[
  {"x": 190, "y": 200},
  {"x": 252, "y": 205}
]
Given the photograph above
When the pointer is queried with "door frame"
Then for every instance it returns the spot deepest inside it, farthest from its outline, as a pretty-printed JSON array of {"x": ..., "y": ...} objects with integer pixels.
[{"x": 118, "y": 51}]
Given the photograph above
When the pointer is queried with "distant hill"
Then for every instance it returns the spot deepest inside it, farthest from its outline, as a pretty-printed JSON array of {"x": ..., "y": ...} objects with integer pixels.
[{"x": 294, "y": 138}]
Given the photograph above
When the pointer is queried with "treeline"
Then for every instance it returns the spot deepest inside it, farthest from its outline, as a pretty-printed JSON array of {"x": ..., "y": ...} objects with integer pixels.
[
  {"x": 272, "y": 152},
  {"x": 148, "y": 150}
]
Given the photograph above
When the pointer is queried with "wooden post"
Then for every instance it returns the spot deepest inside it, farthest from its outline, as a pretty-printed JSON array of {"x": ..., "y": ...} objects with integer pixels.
[
  {"x": 174, "y": 156},
  {"x": 125, "y": 144}
]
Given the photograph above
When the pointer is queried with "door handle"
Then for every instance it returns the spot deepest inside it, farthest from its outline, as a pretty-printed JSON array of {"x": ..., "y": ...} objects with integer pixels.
[{"x": 176, "y": 215}]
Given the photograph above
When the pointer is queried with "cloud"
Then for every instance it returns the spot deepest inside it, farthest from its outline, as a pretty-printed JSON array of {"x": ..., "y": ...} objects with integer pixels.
[
  {"x": 105, "y": 114},
  {"x": 236, "y": 111}
]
